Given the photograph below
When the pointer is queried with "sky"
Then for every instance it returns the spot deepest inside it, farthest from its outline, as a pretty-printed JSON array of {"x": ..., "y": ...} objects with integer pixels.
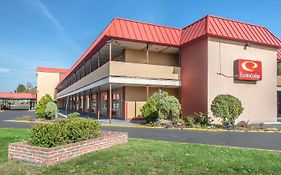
[{"x": 55, "y": 33}]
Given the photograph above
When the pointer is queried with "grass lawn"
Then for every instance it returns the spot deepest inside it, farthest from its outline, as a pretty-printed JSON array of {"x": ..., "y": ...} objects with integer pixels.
[{"x": 150, "y": 157}]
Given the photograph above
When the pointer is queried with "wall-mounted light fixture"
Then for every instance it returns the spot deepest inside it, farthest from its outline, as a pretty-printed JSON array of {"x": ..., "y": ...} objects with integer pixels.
[{"x": 246, "y": 46}]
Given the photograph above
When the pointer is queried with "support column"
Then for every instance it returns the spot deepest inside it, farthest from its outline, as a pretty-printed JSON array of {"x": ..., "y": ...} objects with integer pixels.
[
  {"x": 98, "y": 59},
  {"x": 110, "y": 51},
  {"x": 84, "y": 102},
  {"x": 147, "y": 92},
  {"x": 77, "y": 102},
  {"x": 98, "y": 103},
  {"x": 110, "y": 103},
  {"x": 90, "y": 102},
  {"x": 147, "y": 54},
  {"x": 70, "y": 103}
]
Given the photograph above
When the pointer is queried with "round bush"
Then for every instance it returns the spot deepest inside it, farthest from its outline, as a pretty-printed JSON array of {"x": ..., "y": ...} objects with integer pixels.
[
  {"x": 51, "y": 110},
  {"x": 228, "y": 108},
  {"x": 161, "y": 106},
  {"x": 41, "y": 106},
  {"x": 65, "y": 131}
]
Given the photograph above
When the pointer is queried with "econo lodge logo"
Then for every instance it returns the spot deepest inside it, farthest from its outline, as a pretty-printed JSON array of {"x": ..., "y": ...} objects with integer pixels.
[
  {"x": 249, "y": 66},
  {"x": 248, "y": 70}
]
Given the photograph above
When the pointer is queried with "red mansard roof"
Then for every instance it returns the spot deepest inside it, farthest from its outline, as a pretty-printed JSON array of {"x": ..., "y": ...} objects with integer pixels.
[
  {"x": 229, "y": 29},
  {"x": 144, "y": 32},
  {"x": 155, "y": 34},
  {"x": 133, "y": 31},
  {"x": 15, "y": 95}
]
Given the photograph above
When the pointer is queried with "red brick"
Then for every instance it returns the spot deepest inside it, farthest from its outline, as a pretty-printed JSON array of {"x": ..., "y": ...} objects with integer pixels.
[{"x": 51, "y": 156}]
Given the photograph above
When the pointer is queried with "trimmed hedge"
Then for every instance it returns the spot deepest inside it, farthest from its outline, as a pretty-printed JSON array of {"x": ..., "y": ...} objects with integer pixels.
[
  {"x": 161, "y": 106},
  {"x": 65, "y": 131},
  {"x": 41, "y": 106},
  {"x": 228, "y": 108},
  {"x": 74, "y": 115}
]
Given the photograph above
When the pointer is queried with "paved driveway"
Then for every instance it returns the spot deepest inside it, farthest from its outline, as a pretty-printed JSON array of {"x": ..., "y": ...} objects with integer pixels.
[
  {"x": 260, "y": 140},
  {"x": 10, "y": 115}
]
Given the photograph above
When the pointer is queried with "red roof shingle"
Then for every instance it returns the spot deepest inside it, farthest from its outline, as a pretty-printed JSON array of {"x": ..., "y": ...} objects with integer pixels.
[{"x": 15, "y": 95}]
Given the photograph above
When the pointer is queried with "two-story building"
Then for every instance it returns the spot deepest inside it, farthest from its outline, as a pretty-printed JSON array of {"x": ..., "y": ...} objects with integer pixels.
[{"x": 131, "y": 60}]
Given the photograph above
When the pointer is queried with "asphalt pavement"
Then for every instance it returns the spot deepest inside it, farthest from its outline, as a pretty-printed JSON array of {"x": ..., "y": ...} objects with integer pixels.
[{"x": 261, "y": 140}]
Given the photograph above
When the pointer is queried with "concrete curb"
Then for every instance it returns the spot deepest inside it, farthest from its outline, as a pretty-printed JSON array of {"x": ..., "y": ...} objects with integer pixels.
[{"x": 159, "y": 127}]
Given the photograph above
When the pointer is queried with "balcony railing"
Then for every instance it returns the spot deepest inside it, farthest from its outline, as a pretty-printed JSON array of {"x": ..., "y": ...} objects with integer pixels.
[{"x": 125, "y": 69}]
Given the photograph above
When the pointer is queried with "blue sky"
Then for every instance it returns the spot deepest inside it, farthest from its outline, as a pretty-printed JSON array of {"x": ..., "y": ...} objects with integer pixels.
[{"x": 54, "y": 33}]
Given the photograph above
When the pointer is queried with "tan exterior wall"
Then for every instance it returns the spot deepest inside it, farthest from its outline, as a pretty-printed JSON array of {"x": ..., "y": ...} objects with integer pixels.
[
  {"x": 144, "y": 70},
  {"x": 112, "y": 68},
  {"x": 135, "y": 97},
  {"x": 260, "y": 99},
  {"x": 46, "y": 84},
  {"x": 156, "y": 58},
  {"x": 98, "y": 74}
]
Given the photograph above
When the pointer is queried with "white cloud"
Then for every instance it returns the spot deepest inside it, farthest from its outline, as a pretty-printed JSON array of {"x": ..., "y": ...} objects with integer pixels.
[
  {"x": 4, "y": 70},
  {"x": 43, "y": 10}
]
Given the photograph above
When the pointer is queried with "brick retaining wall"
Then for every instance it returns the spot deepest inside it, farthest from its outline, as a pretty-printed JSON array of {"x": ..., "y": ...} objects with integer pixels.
[{"x": 50, "y": 156}]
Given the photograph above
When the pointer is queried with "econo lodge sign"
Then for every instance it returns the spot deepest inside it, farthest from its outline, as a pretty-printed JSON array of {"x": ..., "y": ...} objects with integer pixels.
[{"x": 248, "y": 70}]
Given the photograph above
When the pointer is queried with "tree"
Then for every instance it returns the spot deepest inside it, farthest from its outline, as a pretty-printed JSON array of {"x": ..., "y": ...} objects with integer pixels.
[
  {"x": 51, "y": 110},
  {"x": 41, "y": 106},
  {"x": 28, "y": 86},
  {"x": 21, "y": 88},
  {"x": 161, "y": 106},
  {"x": 228, "y": 108}
]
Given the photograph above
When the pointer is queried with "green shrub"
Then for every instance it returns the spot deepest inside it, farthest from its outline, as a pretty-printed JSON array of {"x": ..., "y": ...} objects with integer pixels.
[
  {"x": 161, "y": 106},
  {"x": 69, "y": 130},
  {"x": 41, "y": 106},
  {"x": 170, "y": 108},
  {"x": 190, "y": 122},
  {"x": 51, "y": 110},
  {"x": 179, "y": 122},
  {"x": 228, "y": 108},
  {"x": 202, "y": 118},
  {"x": 74, "y": 115}
]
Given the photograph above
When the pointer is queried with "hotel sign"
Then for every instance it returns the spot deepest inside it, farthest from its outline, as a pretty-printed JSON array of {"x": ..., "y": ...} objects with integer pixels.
[{"x": 247, "y": 70}]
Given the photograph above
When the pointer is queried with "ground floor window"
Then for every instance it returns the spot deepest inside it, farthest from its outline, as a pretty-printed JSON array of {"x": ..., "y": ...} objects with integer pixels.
[
  {"x": 103, "y": 103},
  {"x": 117, "y": 103},
  {"x": 94, "y": 103}
]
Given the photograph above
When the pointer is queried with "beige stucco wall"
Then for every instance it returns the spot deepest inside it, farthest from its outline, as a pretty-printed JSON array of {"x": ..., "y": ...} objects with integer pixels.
[
  {"x": 144, "y": 70},
  {"x": 156, "y": 58},
  {"x": 124, "y": 69},
  {"x": 46, "y": 84},
  {"x": 98, "y": 74},
  {"x": 135, "y": 97},
  {"x": 260, "y": 99}
]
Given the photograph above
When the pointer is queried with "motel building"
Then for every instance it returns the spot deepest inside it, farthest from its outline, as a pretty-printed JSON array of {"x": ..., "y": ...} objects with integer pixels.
[
  {"x": 131, "y": 60},
  {"x": 17, "y": 101},
  {"x": 47, "y": 80}
]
